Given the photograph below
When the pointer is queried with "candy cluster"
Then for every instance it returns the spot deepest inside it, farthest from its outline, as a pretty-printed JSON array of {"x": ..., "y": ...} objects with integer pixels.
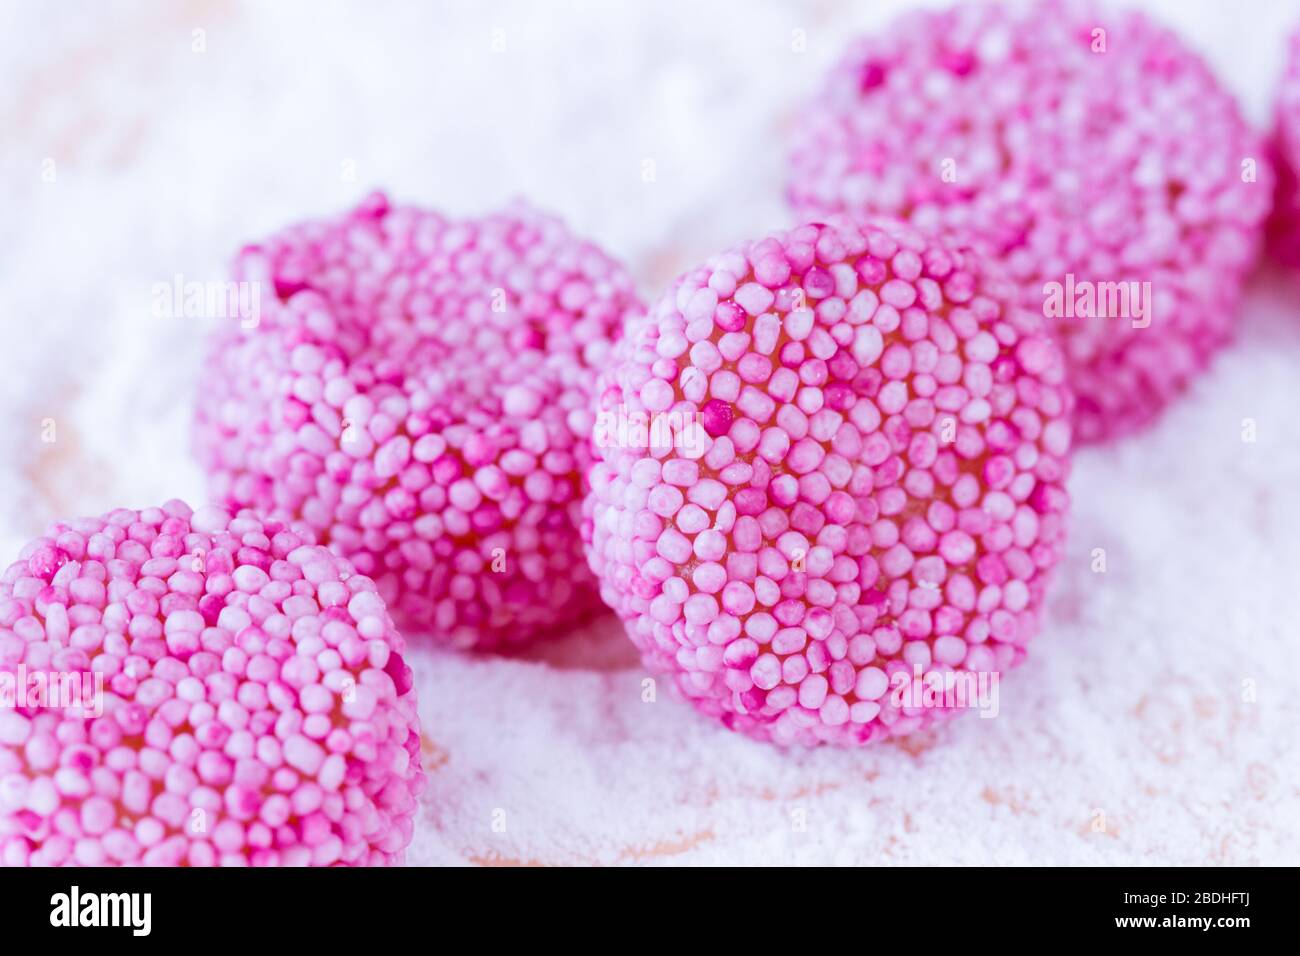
[
  {"x": 822, "y": 479},
  {"x": 833, "y": 460},
  {"x": 195, "y": 688},
  {"x": 1090, "y": 153},
  {"x": 419, "y": 392}
]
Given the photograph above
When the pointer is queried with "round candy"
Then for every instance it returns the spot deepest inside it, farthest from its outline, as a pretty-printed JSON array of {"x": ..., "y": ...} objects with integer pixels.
[
  {"x": 418, "y": 391},
  {"x": 184, "y": 687},
  {"x": 1092, "y": 154},
  {"x": 833, "y": 464},
  {"x": 1284, "y": 227}
]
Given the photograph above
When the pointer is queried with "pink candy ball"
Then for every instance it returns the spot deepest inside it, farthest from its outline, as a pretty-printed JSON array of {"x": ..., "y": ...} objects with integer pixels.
[
  {"x": 218, "y": 691},
  {"x": 1284, "y": 227},
  {"x": 832, "y": 460},
  {"x": 1077, "y": 147},
  {"x": 419, "y": 392}
]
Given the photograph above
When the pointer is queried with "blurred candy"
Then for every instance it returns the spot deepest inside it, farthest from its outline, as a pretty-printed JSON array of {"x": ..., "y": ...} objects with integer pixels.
[
  {"x": 1284, "y": 227},
  {"x": 1088, "y": 151},
  {"x": 419, "y": 393}
]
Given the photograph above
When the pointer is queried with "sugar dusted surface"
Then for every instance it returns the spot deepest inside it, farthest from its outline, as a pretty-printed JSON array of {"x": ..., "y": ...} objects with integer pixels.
[{"x": 1133, "y": 700}]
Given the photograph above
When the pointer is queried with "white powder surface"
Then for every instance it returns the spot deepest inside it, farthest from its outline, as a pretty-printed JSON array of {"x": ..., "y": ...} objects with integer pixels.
[{"x": 1155, "y": 719}]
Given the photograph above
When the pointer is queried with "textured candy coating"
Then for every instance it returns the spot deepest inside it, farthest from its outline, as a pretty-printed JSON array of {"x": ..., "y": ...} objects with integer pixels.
[
  {"x": 828, "y": 458},
  {"x": 419, "y": 393},
  {"x": 1078, "y": 146},
  {"x": 252, "y": 705}
]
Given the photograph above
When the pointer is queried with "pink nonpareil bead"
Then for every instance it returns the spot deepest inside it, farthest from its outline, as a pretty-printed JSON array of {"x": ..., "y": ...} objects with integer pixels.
[
  {"x": 217, "y": 743},
  {"x": 418, "y": 391},
  {"x": 787, "y": 557},
  {"x": 1085, "y": 150}
]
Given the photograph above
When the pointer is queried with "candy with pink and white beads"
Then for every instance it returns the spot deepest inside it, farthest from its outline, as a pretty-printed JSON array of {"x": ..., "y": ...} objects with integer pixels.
[
  {"x": 1088, "y": 150},
  {"x": 1284, "y": 227},
  {"x": 419, "y": 393},
  {"x": 201, "y": 689},
  {"x": 832, "y": 465}
]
